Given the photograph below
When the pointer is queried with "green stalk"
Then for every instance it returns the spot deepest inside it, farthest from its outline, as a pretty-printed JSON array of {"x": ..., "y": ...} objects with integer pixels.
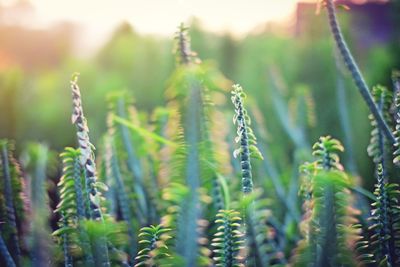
[
  {"x": 87, "y": 161},
  {"x": 381, "y": 140},
  {"x": 86, "y": 157},
  {"x": 191, "y": 106},
  {"x": 40, "y": 245},
  {"x": 228, "y": 239},
  {"x": 243, "y": 131},
  {"x": 5, "y": 253},
  {"x": 187, "y": 240},
  {"x": 272, "y": 172},
  {"x": 133, "y": 162},
  {"x": 183, "y": 50},
  {"x": 295, "y": 133},
  {"x": 385, "y": 221},
  {"x": 343, "y": 111},
  {"x": 327, "y": 222},
  {"x": 396, "y": 81},
  {"x": 8, "y": 195},
  {"x": 73, "y": 170},
  {"x": 247, "y": 149},
  {"x": 261, "y": 257},
  {"x": 68, "y": 260},
  {"x": 123, "y": 199},
  {"x": 355, "y": 72},
  {"x": 153, "y": 247},
  {"x": 396, "y": 91},
  {"x": 77, "y": 174}
]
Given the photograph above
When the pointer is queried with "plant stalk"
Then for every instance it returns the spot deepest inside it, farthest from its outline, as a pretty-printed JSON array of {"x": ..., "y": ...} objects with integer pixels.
[{"x": 355, "y": 71}]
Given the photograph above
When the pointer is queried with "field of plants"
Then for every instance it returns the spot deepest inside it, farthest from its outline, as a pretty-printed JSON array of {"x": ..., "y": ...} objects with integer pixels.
[{"x": 205, "y": 171}]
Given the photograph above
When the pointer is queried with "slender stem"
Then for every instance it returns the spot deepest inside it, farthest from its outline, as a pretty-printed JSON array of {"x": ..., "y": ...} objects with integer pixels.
[
  {"x": 10, "y": 209},
  {"x": 68, "y": 260},
  {"x": 396, "y": 81},
  {"x": 247, "y": 176},
  {"x": 381, "y": 139},
  {"x": 383, "y": 217},
  {"x": 184, "y": 49},
  {"x": 87, "y": 160},
  {"x": 80, "y": 206},
  {"x": 396, "y": 91},
  {"x": 295, "y": 133},
  {"x": 191, "y": 122},
  {"x": 343, "y": 110},
  {"x": 86, "y": 156},
  {"x": 5, "y": 253},
  {"x": 133, "y": 164},
  {"x": 123, "y": 199},
  {"x": 355, "y": 72}
]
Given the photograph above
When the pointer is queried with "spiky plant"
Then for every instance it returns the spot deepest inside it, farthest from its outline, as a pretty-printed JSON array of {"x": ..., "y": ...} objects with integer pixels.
[
  {"x": 192, "y": 86},
  {"x": 115, "y": 235},
  {"x": 304, "y": 249},
  {"x": 326, "y": 151},
  {"x": 120, "y": 106},
  {"x": 5, "y": 253},
  {"x": 70, "y": 185},
  {"x": 354, "y": 70},
  {"x": 228, "y": 240},
  {"x": 396, "y": 81},
  {"x": 183, "y": 51},
  {"x": 111, "y": 202},
  {"x": 343, "y": 108},
  {"x": 255, "y": 213},
  {"x": 396, "y": 153},
  {"x": 36, "y": 162},
  {"x": 295, "y": 118},
  {"x": 73, "y": 210},
  {"x": 378, "y": 144},
  {"x": 123, "y": 200},
  {"x": 11, "y": 203},
  {"x": 154, "y": 249},
  {"x": 159, "y": 121},
  {"x": 193, "y": 161},
  {"x": 87, "y": 162},
  {"x": 245, "y": 138},
  {"x": 78, "y": 235},
  {"x": 262, "y": 245},
  {"x": 175, "y": 196},
  {"x": 328, "y": 233},
  {"x": 381, "y": 245},
  {"x": 66, "y": 241},
  {"x": 396, "y": 90},
  {"x": 86, "y": 151},
  {"x": 295, "y": 131},
  {"x": 302, "y": 107}
]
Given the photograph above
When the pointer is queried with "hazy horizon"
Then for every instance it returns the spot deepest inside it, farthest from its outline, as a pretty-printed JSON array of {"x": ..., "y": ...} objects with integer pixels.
[{"x": 159, "y": 17}]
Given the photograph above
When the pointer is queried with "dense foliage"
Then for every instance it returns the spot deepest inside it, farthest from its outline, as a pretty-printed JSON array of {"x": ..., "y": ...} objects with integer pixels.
[{"x": 184, "y": 186}]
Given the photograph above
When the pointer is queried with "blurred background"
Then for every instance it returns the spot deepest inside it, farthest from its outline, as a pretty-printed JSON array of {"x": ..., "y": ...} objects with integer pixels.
[{"x": 128, "y": 44}]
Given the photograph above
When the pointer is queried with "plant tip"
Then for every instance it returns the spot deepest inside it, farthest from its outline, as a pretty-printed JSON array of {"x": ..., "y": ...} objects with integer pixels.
[{"x": 75, "y": 76}]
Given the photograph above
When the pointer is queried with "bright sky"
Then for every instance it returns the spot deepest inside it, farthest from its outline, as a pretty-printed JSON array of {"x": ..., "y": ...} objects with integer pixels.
[
  {"x": 100, "y": 17},
  {"x": 163, "y": 16}
]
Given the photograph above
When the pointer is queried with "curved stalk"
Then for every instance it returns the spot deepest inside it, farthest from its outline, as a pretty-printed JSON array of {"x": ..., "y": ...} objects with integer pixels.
[{"x": 355, "y": 71}]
